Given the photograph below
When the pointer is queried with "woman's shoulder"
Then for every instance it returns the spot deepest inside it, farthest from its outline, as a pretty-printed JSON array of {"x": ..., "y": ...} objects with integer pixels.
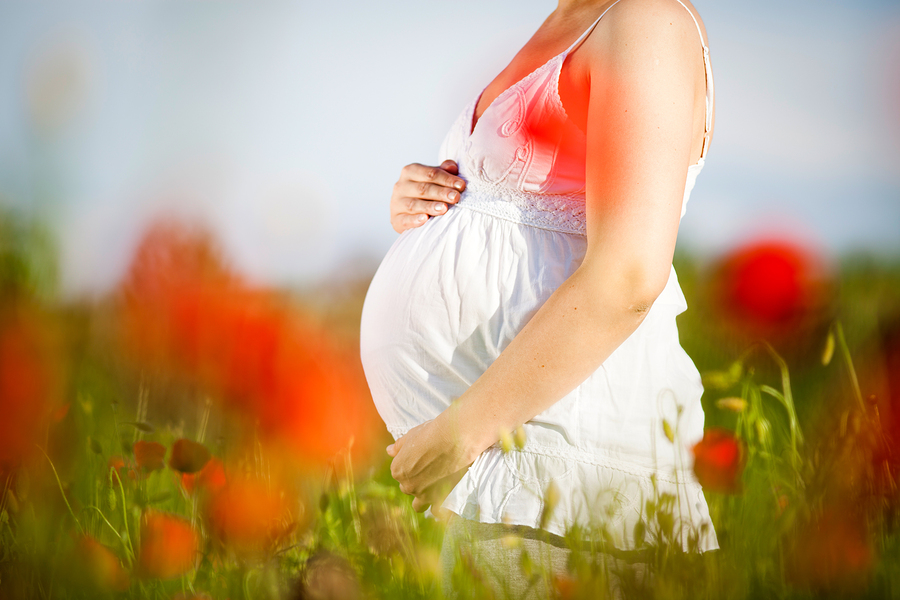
[{"x": 641, "y": 28}]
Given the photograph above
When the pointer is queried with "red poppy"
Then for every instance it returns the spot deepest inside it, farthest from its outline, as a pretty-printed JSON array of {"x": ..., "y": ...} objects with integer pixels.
[
  {"x": 771, "y": 289},
  {"x": 830, "y": 550},
  {"x": 60, "y": 413},
  {"x": 719, "y": 461},
  {"x": 185, "y": 311},
  {"x": 208, "y": 480},
  {"x": 318, "y": 403},
  {"x": 249, "y": 517},
  {"x": 101, "y": 567},
  {"x": 149, "y": 456},
  {"x": 29, "y": 381},
  {"x": 116, "y": 465},
  {"x": 565, "y": 586},
  {"x": 168, "y": 546},
  {"x": 188, "y": 456}
]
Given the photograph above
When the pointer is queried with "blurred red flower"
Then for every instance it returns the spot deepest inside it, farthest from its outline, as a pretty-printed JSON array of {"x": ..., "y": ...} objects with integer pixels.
[
  {"x": 565, "y": 586},
  {"x": 184, "y": 311},
  {"x": 249, "y": 517},
  {"x": 60, "y": 413},
  {"x": 887, "y": 455},
  {"x": 771, "y": 289},
  {"x": 208, "y": 480},
  {"x": 168, "y": 546},
  {"x": 188, "y": 456},
  {"x": 116, "y": 466},
  {"x": 830, "y": 550},
  {"x": 719, "y": 461},
  {"x": 100, "y": 566},
  {"x": 29, "y": 382},
  {"x": 149, "y": 456}
]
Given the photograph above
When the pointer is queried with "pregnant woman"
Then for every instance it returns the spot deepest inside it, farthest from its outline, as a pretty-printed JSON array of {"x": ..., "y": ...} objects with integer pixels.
[{"x": 532, "y": 286}]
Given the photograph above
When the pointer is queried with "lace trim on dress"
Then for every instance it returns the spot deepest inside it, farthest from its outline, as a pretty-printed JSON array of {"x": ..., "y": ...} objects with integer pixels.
[
  {"x": 564, "y": 213},
  {"x": 511, "y": 488}
]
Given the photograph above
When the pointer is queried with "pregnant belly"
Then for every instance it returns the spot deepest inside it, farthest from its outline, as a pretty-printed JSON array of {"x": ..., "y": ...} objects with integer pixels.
[{"x": 446, "y": 300}]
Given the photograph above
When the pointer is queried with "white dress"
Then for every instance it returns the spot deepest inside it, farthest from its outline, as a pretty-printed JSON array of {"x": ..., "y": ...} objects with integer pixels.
[{"x": 451, "y": 294}]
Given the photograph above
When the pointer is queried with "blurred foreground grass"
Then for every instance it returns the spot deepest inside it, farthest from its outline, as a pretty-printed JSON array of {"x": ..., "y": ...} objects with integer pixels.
[{"x": 192, "y": 436}]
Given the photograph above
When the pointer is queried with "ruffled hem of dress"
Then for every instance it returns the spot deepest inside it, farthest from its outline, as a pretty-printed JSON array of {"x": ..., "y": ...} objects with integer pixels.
[{"x": 597, "y": 494}]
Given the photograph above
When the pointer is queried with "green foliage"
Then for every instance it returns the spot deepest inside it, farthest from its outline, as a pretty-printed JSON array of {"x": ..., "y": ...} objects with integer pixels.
[{"x": 806, "y": 422}]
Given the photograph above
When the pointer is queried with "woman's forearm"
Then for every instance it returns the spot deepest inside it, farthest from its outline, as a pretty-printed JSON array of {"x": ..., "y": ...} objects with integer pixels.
[{"x": 579, "y": 326}]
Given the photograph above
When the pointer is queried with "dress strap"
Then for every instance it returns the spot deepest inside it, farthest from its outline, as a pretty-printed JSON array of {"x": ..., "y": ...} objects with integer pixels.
[
  {"x": 707, "y": 68},
  {"x": 589, "y": 29}
]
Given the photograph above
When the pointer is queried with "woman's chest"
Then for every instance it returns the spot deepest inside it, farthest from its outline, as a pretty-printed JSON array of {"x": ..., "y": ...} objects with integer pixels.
[{"x": 524, "y": 139}]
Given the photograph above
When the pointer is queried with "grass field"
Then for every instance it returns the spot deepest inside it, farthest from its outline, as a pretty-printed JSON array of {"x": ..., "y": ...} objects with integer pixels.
[{"x": 191, "y": 435}]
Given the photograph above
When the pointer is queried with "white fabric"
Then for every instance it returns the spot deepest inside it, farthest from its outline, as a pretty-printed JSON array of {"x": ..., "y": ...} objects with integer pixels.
[{"x": 451, "y": 294}]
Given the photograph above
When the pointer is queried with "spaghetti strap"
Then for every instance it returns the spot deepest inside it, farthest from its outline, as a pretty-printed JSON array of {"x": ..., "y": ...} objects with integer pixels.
[
  {"x": 589, "y": 29},
  {"x": 699, "y": 31},
  {"x": 707, "y": 68}
]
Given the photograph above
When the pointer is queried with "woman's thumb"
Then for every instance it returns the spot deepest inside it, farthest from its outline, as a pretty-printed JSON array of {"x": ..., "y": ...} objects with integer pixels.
[{"x": 394, "y": 448}]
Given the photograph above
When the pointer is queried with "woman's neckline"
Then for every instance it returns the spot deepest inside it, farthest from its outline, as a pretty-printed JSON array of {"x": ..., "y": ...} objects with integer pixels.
[{"x": 473, "y": 122}]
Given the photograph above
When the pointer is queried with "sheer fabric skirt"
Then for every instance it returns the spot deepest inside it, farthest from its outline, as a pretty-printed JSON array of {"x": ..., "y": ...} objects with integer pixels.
[{"x": 448, "y": 298}]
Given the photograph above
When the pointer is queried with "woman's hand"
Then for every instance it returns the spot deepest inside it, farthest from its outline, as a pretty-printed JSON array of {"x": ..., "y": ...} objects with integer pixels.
[
  {"x": 428, "y": 461},
  {"x": 422, "y": 191}
]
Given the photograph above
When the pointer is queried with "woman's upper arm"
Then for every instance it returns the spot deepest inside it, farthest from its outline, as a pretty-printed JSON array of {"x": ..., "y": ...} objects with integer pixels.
[{"x": 639, "y": 133}]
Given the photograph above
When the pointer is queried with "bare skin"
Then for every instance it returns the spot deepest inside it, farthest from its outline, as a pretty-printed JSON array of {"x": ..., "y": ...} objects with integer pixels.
[{"x": 636, "y": 87}]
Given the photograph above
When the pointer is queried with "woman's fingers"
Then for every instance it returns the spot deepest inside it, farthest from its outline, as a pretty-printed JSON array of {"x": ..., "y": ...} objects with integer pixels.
[
  {"x": 437, "y": 175},
  {"x": 450, "y": 166},
  {"x": 394, "y": 448},
  {"x": 424, "y": 191},
  {"x": 436, "y": 493},
  {"x": 408, "y": 189},
  {"x": 426, "y": 207},
  {"x": 403, "y": 222}
]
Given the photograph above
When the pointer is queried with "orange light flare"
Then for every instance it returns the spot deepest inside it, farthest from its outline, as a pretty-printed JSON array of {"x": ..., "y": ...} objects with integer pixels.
[
  {"x": 183, "y": 311},
  {"x": 168, "y": 546},
  {"x": 719, "y": 461},
  {"x": 774, "y": 289}
]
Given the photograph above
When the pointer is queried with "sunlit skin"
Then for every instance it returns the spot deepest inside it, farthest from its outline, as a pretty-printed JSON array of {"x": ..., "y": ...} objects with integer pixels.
[{"x": 636, "y": 87}]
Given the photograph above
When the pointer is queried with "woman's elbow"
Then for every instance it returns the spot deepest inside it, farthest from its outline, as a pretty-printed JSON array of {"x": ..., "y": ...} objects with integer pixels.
[
  {"x": 643, "y": 296},
  {"x": 636, "y": 287}
]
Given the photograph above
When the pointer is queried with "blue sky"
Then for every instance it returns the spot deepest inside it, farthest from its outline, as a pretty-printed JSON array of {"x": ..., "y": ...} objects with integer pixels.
[{"x": 283, "y": 125}]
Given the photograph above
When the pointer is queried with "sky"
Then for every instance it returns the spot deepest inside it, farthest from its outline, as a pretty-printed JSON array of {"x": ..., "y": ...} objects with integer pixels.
[{"x": 282, "y": 126}]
